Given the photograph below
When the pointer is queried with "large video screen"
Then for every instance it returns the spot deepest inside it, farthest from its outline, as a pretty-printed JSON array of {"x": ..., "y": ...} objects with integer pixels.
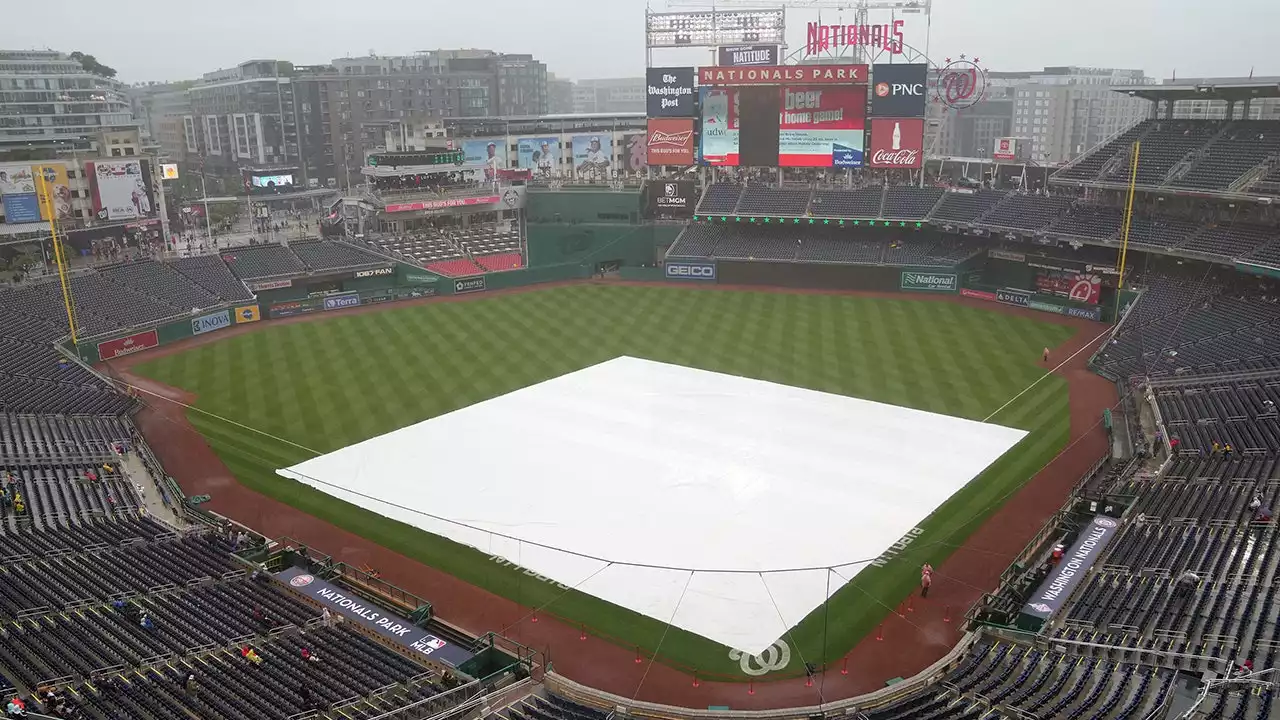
[
  {"x": 719, "y": 144},
  {"x": 822, "y": 126},
  {"x": 266, "y": 181}
]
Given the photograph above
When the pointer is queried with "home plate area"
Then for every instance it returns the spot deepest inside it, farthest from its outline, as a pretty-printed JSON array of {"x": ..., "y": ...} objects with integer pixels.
[{"x": 721, "y": 504}]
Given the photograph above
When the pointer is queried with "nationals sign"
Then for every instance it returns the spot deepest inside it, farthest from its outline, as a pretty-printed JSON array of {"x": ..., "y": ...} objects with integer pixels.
[
  {"x": 670, "y": 142},
  {"x": 896, "y": 143},
  {"x": 801, "y": 74}
]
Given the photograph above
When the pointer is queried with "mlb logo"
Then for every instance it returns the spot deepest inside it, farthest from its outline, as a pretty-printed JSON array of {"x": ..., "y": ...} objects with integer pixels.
[{"x": 434, "y": 643}]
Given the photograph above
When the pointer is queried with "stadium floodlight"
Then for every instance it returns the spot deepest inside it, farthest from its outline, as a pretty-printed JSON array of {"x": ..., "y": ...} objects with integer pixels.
[{"x": 712, "y": 28}]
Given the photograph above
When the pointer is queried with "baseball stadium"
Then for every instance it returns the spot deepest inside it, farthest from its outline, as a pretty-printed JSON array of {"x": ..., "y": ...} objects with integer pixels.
[{"x": 682, "y": 415}]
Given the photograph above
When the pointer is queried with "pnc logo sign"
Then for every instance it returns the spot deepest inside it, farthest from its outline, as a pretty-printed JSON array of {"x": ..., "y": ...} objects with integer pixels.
[{"x": 885, "y": 89}]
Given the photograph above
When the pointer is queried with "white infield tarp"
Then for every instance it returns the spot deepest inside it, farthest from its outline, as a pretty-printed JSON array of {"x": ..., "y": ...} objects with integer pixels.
[{"x": 621, "y": 477}]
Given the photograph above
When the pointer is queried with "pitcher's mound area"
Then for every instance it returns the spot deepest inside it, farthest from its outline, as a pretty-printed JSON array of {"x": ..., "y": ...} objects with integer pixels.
[{"x": 711, "y": 501}]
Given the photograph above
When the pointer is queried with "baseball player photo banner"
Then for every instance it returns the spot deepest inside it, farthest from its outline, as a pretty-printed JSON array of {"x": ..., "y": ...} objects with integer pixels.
[
  {"x": 593, "y": 156},
  {"x": 539, "y": 155}
]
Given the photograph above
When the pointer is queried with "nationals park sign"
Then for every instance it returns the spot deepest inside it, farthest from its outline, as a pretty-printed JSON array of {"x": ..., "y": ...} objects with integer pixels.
[
  {"x": 372, "y": 618},
  {"x": 798, "y": 74}
]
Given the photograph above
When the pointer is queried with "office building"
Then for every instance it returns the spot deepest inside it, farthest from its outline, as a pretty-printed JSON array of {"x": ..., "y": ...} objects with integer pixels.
[
  {"x": 559, "y": 95},
  {"x": 614, "y": 95},
  {"x": 48, "y": 101}
]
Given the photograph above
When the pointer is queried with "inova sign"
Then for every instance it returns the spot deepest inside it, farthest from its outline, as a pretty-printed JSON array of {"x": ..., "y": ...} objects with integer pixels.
[{"x": 935, "y": 282}]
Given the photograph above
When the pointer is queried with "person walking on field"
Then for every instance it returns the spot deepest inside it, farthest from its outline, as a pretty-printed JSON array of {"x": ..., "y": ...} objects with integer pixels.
[
  {"x": 1046, "y": 355},
  {"x": 926, "y": 579}
]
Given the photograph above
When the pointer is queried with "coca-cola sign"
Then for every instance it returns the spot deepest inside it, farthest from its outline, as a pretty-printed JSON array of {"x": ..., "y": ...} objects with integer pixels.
[{"x": 896, "y": 143}]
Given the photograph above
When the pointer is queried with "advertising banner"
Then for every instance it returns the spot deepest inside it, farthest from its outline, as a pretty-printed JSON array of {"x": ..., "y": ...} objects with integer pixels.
[
  {"x": 128, "y": 345},
  {"x": 345, "y": 300},
  {"x": 168, "y": 171},
  {"x": 669, "y": 92},
  {"x": 677, "y": 270},
  {"x": 932, "y": 282},
  {"x": 1080, "y": 287},
  {"x": 899, "y": 90},
  {"x": 1009, "y": 296},
  {"x": 119, "y": 190},
  {"x": 1006, "y": 149},
  {"x": 540, "y": 155},
  {"x": 491, "y": 153},
  {"x": 593, "y": 156},
  {"x": 247, "y": 314},
  {"x": 18, "y": 194},
  {"x": 59, "y": 189},
  {"x": 897, "y": 143},
  {"x": 979, "y": 294},
  {"x": 821, "y": 126},
  {"x": 294, "y": 307},
  {"x": 211, "y": 322},
  {"x": 1063, "y": 578},
  {"x": 1090, "y": 313},
  {"x": 270, "y": 285},
  {"x": 376, "y": 272},
  {"x": 719, "y": 141},
  {"x": 784, "y": 75},
  {"x": 443, "y": 204},
  {"x": 417, "y": 278},
  {"x": 390, "y": 627},
  {"x": 468, "y": 285},
  {"x": 673, "y": 198},
  {"x": 635, "y": 152},
  {"x": 748, "y": 55},
  {"x": 997, "y": 254},
  {"x": 670, "y": 142}
]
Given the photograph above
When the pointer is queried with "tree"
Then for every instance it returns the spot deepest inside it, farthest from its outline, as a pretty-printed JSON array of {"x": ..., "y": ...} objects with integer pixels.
[{"x": 91, "y": 64}]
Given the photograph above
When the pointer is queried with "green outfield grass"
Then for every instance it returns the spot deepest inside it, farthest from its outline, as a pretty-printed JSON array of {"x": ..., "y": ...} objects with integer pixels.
[{"x": 337, "y": 381}]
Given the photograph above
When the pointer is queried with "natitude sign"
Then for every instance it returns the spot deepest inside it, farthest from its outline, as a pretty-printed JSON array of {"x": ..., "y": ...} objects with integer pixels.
[
  {"x": 670, "y": 142},
  {"x": 896, "y": 143},
  {"x": 745, "y": 55}
]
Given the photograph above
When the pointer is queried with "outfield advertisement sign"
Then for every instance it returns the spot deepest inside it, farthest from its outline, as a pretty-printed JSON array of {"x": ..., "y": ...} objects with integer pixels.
[
  {"x": 376, "y": 272},
  {"x": 979, "y": 294},
  {"x": 1088, "y": 313},
  {"x": 931, "y": 282},
  {"x": 413, "y": 278},
  {"x": 270, "y": 285},
  {"x": 1070, "y": 571},
  {"x": 128, "y": 345},
  {"x": 294, "y": 307},
  {"x": 462, "y": 286},
  {"x": 690, "y": 270},
  {"x": 390, "y": 627},
  {"x": 247, "y": 314},
  {"x": 345, "y": 300},
  {"x": 209, "y": 323},
  {"x": 1008, "y": 296}
]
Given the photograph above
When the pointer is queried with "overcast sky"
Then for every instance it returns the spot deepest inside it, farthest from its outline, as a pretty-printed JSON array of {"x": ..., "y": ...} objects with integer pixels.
[{"x": 168, "y": 40}]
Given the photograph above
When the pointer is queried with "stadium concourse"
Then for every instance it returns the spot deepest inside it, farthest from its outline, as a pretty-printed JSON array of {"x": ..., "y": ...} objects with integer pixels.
[{"x": 1150, "y": 590}]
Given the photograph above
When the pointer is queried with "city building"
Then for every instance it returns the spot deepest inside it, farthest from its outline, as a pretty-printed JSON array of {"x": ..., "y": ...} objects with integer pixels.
[
  {"x": 48, "y": 101},
  {"x": 559, "y": 95},
  {"x": 1194, "y": 108},
  {"x": 615, "y": 95},
  {"x": 1063, "y": 111}
]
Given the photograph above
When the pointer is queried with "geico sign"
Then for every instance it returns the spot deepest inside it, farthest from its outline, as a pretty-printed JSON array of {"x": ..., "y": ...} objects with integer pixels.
[{"x": 706, "y": 272}]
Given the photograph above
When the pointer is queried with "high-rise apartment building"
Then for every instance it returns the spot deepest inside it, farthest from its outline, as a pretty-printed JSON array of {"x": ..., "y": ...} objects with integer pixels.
[{"x": 49, "y": 100}]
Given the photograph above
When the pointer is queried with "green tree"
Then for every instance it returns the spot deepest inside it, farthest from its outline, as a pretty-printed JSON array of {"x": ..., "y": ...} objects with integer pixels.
[{"x": 91, "y": 64}]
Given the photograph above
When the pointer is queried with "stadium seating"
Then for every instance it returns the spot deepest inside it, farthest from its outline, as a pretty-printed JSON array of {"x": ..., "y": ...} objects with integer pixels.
[
  {"x": 1240, "y": 147},
  {"x": 827, "y": 244},
  {"x": 212, "y": 274},
  {"x": 720, "y": 199},
  {"x": 1026, "y": 212},
  {"x": 865, "y": 203},
  {"x": 162, "y": 282},
  {"x": 902, "y": 202},
  {"x": 458, "y": 267},
  {"x": 1091, "y": 165},
  {"x": 321, "y": 256},
  {"x": 501, "y": 261},
  {"x": 966, "y": 207},
  {"x": 1089, "y": 222},
  {"x": 1166, "y": 144},
  {"x": 764, "y": 200},
  {"x": 263, "y": 261}
]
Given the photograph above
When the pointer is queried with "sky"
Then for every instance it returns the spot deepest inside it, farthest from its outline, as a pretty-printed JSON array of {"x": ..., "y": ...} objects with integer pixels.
[{"x": 155, "y": 40}]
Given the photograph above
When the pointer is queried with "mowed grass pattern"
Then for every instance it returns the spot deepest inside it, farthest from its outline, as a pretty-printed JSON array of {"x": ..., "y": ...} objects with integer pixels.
[{"x": 330, "y": 383}]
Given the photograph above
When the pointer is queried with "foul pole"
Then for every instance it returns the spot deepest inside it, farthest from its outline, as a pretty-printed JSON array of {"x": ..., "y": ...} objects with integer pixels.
[
  {"x": 1128, "y": 217},
  {"x": 45, "y": 200}
]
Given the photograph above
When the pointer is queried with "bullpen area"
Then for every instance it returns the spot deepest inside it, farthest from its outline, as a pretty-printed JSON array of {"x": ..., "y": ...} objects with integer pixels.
[{"x": 283, "y": 394}]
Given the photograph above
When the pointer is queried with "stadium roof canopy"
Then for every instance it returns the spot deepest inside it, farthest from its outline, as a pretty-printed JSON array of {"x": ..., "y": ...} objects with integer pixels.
[{"x": 1227, "y": 89}]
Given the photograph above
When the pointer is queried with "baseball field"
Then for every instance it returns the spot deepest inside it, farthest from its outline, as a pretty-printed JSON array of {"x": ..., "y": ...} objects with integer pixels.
[{"x": 281, "y": 394}]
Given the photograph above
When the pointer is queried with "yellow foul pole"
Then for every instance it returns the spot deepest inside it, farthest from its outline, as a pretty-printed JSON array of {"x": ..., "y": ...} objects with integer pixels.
[
  {"x": 47, "y": 206},
  {"x": 1128, "y": 214}
]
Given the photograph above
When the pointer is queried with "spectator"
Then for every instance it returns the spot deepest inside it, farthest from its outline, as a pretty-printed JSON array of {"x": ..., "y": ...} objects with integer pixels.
[
  {"x": 1217, "y": 448},
  {"x": 1187, "y": 582},
  {"x": 251, "y": 655},
  {"x": 189, "y": 684},
  {"x": 1256, "y": 502},
  {"x": 1058, "y": 552},
  {"x": 326, "y": 617},
  {"x": 146, "y": 623},
  {"x": 304, "y": 690},
  {"x": 16, "y": 707},
  {"x": 309, "y": 656}
]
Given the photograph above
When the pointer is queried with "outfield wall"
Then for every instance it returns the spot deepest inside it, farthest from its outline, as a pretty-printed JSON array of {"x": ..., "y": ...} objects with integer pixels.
[{"x": 558, "y": 244}]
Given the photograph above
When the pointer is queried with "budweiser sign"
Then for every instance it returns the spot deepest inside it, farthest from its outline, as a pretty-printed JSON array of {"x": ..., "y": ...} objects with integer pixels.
[
  {"x": 670, "y": 141},
  {"x": 896, "y": 143}
]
